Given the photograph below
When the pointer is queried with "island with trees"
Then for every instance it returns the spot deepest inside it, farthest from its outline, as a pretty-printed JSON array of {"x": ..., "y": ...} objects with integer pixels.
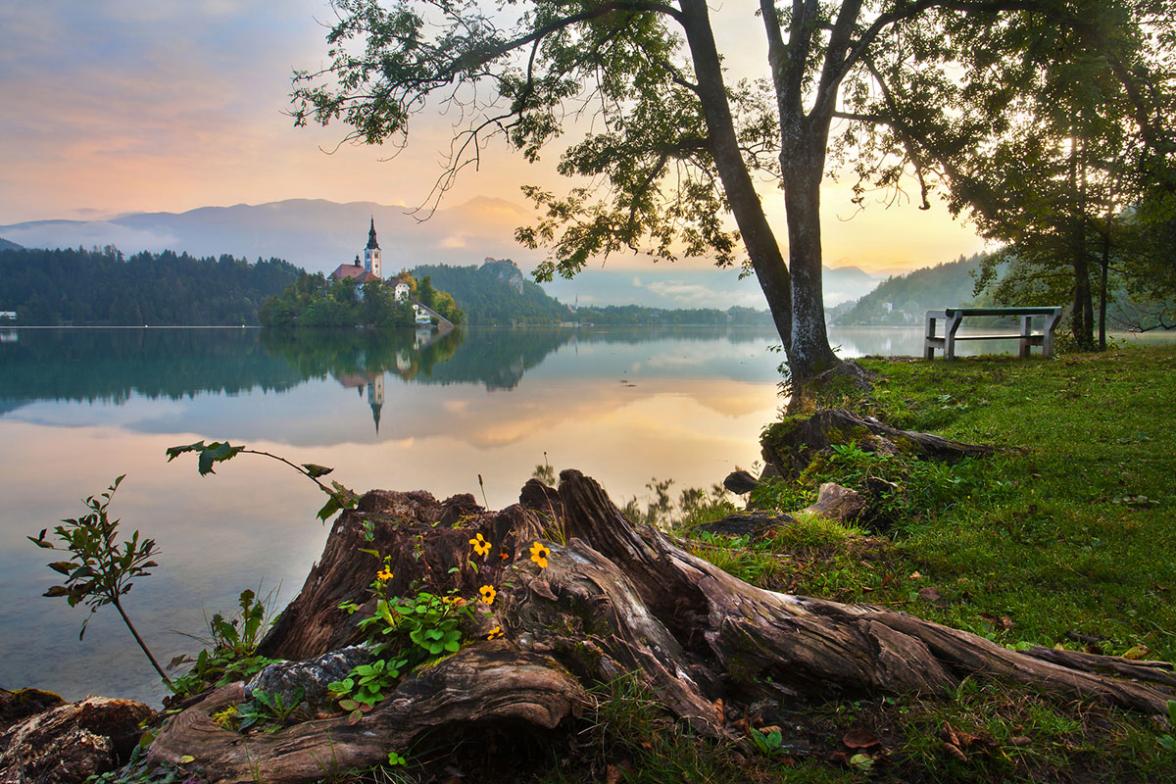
[{"x": 316, "y": 301}]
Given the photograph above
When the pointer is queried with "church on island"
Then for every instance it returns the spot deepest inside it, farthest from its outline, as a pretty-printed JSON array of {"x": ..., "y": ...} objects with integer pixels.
[{"x": 371, "y": 268}]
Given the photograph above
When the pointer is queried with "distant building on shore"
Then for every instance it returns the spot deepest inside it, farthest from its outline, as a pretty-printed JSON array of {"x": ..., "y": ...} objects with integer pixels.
[{"x": 372, "y": 267}]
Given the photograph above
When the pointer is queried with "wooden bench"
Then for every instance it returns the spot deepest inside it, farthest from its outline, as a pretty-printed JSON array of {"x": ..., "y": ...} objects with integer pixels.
[{"x": 953, "y": 317}]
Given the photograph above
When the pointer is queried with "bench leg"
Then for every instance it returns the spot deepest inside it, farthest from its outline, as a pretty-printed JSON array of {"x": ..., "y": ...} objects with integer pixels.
[
  {"x": 928, "y": 333},
  {"x": 953, "y": 325},
  {"x": 1047, "y": 339},
  {"x": 1026, "y": 327}
]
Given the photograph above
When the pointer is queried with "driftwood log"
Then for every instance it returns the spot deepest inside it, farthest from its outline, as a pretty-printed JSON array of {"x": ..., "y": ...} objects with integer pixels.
[{"x": 615, "y": 599}]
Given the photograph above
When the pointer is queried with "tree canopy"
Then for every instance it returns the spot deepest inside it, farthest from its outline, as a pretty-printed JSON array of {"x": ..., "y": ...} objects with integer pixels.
[{"x": 671, "y": 146}]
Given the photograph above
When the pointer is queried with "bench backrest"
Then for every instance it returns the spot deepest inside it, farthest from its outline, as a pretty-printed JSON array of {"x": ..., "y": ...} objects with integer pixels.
[{"x": 1029, "y": 311}]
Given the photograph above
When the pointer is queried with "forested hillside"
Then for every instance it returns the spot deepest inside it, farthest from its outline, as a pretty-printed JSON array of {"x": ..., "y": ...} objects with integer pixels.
[
  {"x": 104, "y": 288},
  {"x": 495, "y": 293},
  {"x": 7, "y": 245},
  {"x": 905, "y": 299}
]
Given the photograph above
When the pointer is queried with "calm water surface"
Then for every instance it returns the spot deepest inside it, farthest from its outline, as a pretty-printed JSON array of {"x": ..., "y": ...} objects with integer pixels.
[{"x": 78, "y": 407}]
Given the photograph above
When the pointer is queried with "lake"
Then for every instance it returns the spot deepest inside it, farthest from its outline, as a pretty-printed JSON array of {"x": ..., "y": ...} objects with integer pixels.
[{"x": 411, "y": 410}]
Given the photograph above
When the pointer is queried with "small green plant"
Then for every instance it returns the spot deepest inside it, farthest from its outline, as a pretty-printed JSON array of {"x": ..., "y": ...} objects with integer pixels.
[
  {"x": 101, "y": 569},
  {"x": 1167, "y": 740},
  {"x": 396, "y": 760},
  {"x": 365, "y": 685},
  {"x": 231, "y": 649},
  {"x": 769, "y": 744},
  {"x": 268, "y": 711},
  {"x": 402, "y": 632}
]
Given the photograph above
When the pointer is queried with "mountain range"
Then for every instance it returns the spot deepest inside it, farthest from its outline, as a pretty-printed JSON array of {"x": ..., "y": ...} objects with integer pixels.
[{"x": 318, "y": 235}]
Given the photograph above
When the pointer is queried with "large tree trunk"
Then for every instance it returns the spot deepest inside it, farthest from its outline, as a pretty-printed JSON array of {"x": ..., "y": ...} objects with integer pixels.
[
  {"x": 757, "y": 234},
  {"x": 615, "y": 599},
  {"x": 804, "y": 167}
]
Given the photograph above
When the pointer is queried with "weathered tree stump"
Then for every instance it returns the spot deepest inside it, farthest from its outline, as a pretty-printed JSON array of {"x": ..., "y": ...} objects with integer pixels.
[{"x": 615, "y": 599}]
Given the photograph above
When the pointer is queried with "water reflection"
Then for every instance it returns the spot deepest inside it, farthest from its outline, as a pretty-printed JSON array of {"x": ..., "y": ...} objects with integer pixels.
[
  {"x": 80, "y": 406},
  {"x": 402, "y": 411}
]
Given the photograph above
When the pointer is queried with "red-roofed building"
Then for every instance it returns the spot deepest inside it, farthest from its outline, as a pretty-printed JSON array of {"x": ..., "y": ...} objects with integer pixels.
[
  {"x": 354, "y": 271},
  {"x": 371, "y": 268}
]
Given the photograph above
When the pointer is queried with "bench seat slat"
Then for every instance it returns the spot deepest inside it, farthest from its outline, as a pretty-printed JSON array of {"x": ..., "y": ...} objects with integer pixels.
[{"x": 999, "y": 337}]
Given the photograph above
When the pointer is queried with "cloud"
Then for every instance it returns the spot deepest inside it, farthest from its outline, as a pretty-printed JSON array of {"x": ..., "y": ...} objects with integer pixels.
[{"x": 65, "y": 234}]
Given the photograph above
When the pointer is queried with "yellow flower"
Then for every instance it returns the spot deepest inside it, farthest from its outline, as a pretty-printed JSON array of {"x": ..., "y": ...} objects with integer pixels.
[
  {"x": 540, "y": 553},
  {"x": 454, "y": 601},
  {"x": 481, "y": 546},
  {"x": 494, "y": 633},
  {"x": 488, "y": 593},
  {"x": 384, "y": 575}
]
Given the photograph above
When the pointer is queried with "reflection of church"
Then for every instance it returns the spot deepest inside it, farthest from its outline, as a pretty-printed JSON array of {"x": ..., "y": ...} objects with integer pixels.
[
  {"x": 373, "y": 383},
  {"x": 375, "y": 394}
]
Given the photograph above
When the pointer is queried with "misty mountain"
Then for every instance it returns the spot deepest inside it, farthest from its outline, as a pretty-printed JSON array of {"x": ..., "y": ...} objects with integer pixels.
[
  {"x": 6, "y": 245},
  {"x": 313, "y": 233},
  {"x": 905, "y": 299},
  {"x": 318, "y": 235}
]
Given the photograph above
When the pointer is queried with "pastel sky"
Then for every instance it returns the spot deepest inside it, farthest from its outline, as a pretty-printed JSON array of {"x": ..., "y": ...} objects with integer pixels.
[{"x": 115, "y": 106}]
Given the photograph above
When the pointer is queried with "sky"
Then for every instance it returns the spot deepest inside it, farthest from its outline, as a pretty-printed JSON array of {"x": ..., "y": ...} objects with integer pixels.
[{"x": 115, "y": 106}]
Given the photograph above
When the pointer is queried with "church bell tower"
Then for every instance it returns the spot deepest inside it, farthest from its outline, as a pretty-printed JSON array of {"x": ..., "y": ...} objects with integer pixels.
[{"x": 371, "y": 254}]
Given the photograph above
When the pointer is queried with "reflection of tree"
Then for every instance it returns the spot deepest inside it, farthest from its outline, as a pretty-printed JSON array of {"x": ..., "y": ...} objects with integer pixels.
[{"x": 110, "y": 365}]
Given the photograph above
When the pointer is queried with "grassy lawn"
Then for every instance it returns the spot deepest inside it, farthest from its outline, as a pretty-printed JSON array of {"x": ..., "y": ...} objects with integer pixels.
[{"x": 1065, "y": 537}]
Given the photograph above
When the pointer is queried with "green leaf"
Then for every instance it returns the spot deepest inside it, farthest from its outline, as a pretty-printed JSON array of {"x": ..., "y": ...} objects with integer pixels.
[
  {"x": 216, "y": 452},
  {"x": 175, "y": 451},
  {"x": 57, "y": 590},
  {"x": 315, "y": 471},
  {"x": 329, "y": 509},
  {"x": 63, "y": 567}
]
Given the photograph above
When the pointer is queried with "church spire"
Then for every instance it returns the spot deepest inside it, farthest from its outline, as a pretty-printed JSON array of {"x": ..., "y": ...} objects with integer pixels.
[{"x": 373, "y": 244}]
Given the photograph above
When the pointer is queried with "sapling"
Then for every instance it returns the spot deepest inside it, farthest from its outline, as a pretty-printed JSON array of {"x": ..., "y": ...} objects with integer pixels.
[{"x": 101, "y": 569}]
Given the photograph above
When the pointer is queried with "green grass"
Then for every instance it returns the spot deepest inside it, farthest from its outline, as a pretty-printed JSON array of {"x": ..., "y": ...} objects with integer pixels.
[{"x": 1065, "y": 537}]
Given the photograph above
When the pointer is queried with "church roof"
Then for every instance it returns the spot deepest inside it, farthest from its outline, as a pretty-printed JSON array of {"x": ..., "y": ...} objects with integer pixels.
[
  {"x": 352, "y": 272},
  {"x": 373, "y": 244}
]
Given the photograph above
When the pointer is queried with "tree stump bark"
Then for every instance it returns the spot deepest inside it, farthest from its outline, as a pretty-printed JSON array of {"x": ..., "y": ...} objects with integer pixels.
[{"x": 614, "y": 599}]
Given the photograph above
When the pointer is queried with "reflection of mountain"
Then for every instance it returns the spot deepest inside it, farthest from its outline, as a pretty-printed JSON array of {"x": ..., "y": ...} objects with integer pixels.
[{"x": 111, "y": 365}]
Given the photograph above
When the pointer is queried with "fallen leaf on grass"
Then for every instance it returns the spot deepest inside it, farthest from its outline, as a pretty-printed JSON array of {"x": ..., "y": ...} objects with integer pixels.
[
  {"x": 860, "y": 739},
  {"x": 931, "y": 595}
]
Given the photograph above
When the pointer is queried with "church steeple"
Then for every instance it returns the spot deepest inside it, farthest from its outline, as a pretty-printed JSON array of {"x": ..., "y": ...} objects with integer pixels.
[
  {"x": 371, "y": 254},
  {"x": 372, "y": 243}
]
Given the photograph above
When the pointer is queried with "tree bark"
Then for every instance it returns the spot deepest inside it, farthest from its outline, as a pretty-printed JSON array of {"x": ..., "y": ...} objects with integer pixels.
[
  {"x": 615, "y": 599},
  {"x": 759, "y": 239},
  {"x": 804, "y": 167}
]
